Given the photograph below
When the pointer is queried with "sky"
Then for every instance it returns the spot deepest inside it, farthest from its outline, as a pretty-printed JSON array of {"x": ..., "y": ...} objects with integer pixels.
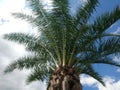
[{"x": 10, "y": 51}]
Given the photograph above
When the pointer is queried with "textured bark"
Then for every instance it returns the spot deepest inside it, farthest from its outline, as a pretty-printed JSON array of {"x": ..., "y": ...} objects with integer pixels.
[
  {"x": 63, "y": 80},
  {"x": 65, "y": 83}
]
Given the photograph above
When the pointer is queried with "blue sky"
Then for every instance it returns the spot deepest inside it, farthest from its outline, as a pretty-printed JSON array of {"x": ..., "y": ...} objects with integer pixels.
[{"x": 8, "y": 54}]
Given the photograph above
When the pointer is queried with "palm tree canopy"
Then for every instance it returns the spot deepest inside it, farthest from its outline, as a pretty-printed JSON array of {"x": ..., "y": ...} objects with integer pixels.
[{"x": 66, "y": 40}]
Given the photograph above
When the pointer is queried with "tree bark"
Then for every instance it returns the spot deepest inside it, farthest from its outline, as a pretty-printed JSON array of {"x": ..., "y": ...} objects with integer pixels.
[{"x": 66, "y": 82}]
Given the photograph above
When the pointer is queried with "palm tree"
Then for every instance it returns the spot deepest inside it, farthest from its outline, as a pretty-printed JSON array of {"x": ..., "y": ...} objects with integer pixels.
[{"x": 66, "y": 45}]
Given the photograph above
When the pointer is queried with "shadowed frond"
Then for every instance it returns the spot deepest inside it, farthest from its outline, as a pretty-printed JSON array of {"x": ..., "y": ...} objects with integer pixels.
[
  {"x": 84, "y": 12},
  {"x": 110, "y": 34},
  {"x": 104, "y": 21},
  {"x": 61, "y": 5},
  {"x": 99, "y": 60},
  {"x": 109, "y": 46},
  {"x": 108, "y": 61},
  {"x": 91, "y": 72}
]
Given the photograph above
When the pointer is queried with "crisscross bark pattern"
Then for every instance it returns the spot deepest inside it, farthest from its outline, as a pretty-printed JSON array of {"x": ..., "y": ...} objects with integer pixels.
[{"x": 64, "y": 79}]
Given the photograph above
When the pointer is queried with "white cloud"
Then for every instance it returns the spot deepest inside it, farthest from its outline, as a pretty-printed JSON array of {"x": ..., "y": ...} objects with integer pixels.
[
  {"x": 47, "y": 4},
  {"x": 86, "y": 80},
  {"x": 14, "y": 80},
  {"x": 9, "y": 6},
  {"x": 111, "y": 83},
  {"x": 117, "y": 31},
  {"x": 117, "y": 59},
  {"x": 118, "y": 70},
  {"x": 10, "y": 51},
  {"x": 7, "y": 22},
  {"x": 84, "y": 1}
]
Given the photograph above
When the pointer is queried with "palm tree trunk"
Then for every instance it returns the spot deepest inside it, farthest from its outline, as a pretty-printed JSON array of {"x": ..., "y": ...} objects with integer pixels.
[{"x": 66, "y": 82}]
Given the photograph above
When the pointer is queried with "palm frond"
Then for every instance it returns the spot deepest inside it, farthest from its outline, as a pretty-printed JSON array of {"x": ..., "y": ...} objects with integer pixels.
[
  {"x": 21, "y": 38},
  {"x": 91, "y": 72},
  {"x": 110, "y": 35},
  {"x": 26, "y": 17},
  {"x": 84, "y": 13},
  {"x": 33, "y": 20},
  {"x": 40, "y": 13},
  {"x": 26, "y": 62},
  {"x": 31, "y": 42},
  {"x": 98, "y": 60},
  {"x": 103, "y": 22},
  {"x": 60, "y": 7},
  {"x": 109, "y": 46},
  {"x": 106, "y": 60},
  {"x": 38, "y": 74},
  {"x": 41, "y": 48},
  {"x": 37, "y": 8}
]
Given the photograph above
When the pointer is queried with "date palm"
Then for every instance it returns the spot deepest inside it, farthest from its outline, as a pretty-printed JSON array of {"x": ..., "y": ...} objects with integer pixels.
[{"x": 66, "y": 45}]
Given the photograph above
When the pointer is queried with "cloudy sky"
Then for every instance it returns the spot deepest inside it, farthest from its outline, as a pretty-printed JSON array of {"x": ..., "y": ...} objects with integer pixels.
[{"x": 9, "y": 51}]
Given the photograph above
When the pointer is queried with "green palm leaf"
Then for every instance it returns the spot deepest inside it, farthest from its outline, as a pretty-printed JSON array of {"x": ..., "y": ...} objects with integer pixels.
[
  {"x": 21, "y": 38},
  {"x": 38, "y": 74},
  {"x": 84, "y": 12},
  {"x": 91, "y": 72},
  {"x": 104, "y": 21},
  {"x": 26, "y": 62}
]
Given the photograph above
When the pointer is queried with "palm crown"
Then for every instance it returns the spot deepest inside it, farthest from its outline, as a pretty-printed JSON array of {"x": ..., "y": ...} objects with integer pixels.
[{"x": 66, "y": 40}]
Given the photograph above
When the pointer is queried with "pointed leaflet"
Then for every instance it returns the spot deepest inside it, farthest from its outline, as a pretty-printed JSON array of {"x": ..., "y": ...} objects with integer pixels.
[
  {"x": 26, "y": 62},
  {"x": 91, "y": 72},
  {"x": 85, "y": 11},
  {"x": 104, "y": 21}
]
